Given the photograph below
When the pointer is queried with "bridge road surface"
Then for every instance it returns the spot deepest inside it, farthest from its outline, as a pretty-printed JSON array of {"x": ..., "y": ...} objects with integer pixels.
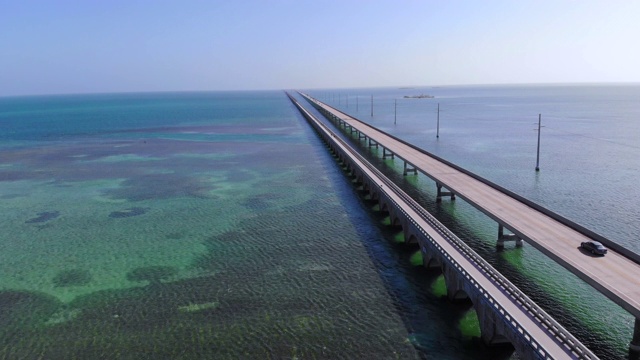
[
  {"x": 615, "y": 275},
  {"x": 548, "y": 344}
]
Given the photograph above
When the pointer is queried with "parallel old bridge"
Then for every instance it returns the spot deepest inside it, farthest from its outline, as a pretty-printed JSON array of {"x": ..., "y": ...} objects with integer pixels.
[{"x": 505, "y": 313}]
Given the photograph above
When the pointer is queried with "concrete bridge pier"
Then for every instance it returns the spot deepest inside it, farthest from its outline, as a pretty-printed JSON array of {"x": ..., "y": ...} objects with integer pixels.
[
  {"x": 502, "y": 237},
  {"x": 634, "y": 346},
  {"x": 373, "y": 143},
  {"x": 408, "y": 169},
  {"x": 386, "y": 153},
  {"x": 455, "y": 283},
  {"x": 492, "y": 330},
  {"x": 443, "y": 193},
  {"x": 429, "y": 259}
]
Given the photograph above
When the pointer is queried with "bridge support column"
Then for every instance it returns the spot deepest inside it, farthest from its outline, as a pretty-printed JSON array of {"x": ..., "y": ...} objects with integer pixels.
[
  {"x": 386, "y": 153},
  {"x": 502, "y": 237},
  {"x": 443, "y": 193},
  {"x": 373, "y": 143},
  {"x": 430, "y": 260},
  {"x": 634, "y": 346},
  {"x": 354, "y": 130},
  {"x": 491, "y": 331},
  {"x": 362, "y": 136},
  {"x": 408, "y": 169},
  {"x": 454, "y": 283}
]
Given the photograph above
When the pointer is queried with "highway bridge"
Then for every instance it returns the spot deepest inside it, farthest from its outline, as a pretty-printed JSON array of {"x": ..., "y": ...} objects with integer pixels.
[
  {"x": 506, "y": 315},
  {"x": 616, "y": 275}
]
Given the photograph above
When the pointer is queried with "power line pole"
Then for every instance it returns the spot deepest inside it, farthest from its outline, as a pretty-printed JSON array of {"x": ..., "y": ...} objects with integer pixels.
[
  {"x": 438, "y": 123},
  {"x": 395, "y": 111},
  {"x": 538, "y": 152},
  {"x": 371, "y": 105}
]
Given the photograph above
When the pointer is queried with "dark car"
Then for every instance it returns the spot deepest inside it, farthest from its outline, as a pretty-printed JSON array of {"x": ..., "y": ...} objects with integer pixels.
[{"x": 594, "y": 247}]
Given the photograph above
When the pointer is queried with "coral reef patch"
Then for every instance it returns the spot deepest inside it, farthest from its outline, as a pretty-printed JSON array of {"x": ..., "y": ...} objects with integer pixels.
[
  {"x": 25, "y": 308},
  {"x": 43, "y": 217},
  {"x": 161, "y": 186},
  {"x": 72, "y": 277}
]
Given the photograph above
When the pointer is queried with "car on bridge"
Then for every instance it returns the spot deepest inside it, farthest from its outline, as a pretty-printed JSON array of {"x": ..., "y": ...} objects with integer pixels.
[{"x": 594, "y": 247}]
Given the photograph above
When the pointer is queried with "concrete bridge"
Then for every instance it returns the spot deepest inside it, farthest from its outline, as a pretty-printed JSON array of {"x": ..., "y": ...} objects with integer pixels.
[
  {"x": 506, "y": 315},
  {"x": 617, "y": 275}
]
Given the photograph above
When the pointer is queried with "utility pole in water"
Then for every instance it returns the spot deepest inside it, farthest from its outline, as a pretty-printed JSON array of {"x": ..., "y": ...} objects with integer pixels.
[
  {"x": 538, "y": 152},
  {"x": 371, "y": 105},
  {"x": 438, "y": 123}
]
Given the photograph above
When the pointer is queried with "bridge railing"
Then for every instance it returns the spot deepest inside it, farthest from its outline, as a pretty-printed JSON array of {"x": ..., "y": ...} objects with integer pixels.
[{"x": 522, "y": 300}]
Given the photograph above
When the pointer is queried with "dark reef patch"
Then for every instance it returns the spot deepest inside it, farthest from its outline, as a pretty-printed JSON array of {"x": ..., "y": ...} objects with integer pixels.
[
  {"x": 259, "y": 202},
  {"x": 134, "y": 211},
  {"x": 43, "y": 217},
  {"x": 72, "y": 277},
  {"x": 24, "y": 308},
  {"x": 152, "y": 274},
  {"x": 161, "y": 186},
  {"x": 256, "y": 203}
]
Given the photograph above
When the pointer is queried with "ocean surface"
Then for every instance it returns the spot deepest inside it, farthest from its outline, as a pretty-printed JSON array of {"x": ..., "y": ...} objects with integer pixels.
[{"x": 217, "y": 225}]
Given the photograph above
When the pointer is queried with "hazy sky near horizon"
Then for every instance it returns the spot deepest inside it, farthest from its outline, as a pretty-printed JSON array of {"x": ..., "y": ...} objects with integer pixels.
[{"x": 74, "y": 46}]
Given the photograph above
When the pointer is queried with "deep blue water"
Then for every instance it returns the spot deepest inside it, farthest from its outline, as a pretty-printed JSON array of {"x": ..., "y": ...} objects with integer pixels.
[{"x": 216, "y": 225}]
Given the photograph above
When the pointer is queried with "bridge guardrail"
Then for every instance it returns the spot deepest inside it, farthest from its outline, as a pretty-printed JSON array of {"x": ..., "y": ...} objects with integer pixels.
[{"x": 546, "y": 321}]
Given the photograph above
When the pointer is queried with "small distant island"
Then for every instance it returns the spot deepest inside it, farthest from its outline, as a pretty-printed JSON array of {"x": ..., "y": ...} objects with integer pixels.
[{"x": 421, "y": 96}]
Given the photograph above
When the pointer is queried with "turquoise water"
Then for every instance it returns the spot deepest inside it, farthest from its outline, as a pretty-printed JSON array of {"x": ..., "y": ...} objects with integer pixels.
[
  {"x": 182, "y": 226},
  {"x": 216, "y": 225}
]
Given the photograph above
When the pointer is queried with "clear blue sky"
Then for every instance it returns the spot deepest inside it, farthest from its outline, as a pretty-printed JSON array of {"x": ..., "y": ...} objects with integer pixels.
[{"x": 65, "y": 46}]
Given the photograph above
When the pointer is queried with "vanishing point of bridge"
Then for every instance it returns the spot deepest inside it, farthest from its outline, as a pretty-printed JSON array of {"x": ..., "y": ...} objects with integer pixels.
[{"x": 505, "y": 314}]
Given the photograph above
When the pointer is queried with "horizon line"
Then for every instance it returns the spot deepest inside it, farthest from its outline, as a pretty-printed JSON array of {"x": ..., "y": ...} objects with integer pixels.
[{"x": 124, "y": 92}]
